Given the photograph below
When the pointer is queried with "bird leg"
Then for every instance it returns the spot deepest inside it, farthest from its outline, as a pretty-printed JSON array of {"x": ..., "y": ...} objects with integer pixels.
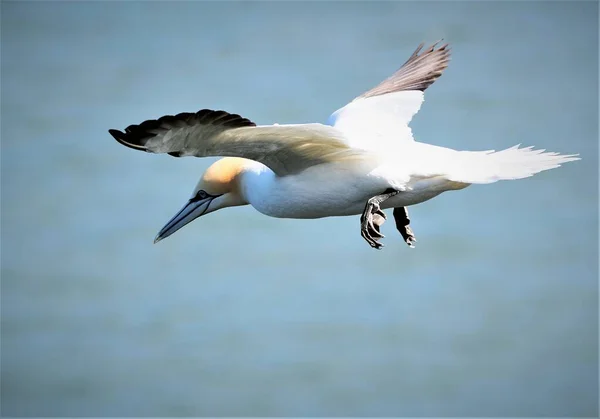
[
  {"x": 402, "y": 222},
  {"x": 373, "y": 217}
]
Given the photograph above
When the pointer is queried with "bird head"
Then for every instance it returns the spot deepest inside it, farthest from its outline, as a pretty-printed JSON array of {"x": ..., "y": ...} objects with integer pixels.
[{"x": 219, "y": 187}]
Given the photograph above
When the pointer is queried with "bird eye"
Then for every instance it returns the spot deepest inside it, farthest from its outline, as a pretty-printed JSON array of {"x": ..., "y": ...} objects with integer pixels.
[{"x": 200, "y": 195}]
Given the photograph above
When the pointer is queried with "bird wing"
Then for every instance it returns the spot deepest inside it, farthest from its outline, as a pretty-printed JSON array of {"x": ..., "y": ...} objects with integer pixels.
[
  {"x": 383, "y": 113},
  {"x": 285, "y": 149}
]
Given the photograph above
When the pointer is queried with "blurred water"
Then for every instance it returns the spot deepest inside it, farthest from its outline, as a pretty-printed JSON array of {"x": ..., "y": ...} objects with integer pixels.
[{"x": 494, "y": 313}]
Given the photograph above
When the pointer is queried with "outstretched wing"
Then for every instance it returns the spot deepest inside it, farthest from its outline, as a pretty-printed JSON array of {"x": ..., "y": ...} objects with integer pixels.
[
  {"x": 285, "y": 149},
  {"x": 383, "y": 113}
]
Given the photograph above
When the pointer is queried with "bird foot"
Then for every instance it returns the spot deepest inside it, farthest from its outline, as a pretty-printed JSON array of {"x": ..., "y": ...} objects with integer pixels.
[
  {"x": 408, "y": 236},
  {"x": 370, "y": 222},
  {"x": 402, "y": 224}
]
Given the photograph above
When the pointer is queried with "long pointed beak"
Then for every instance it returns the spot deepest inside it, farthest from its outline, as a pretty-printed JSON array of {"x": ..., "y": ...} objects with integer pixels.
[{"x": 192, "y": 210}]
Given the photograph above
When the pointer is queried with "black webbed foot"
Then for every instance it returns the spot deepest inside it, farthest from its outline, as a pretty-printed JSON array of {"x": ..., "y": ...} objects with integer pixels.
[{"x": 402, "y": 224}]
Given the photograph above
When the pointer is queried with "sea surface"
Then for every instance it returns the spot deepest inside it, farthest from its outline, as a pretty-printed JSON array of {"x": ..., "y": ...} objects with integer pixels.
[{"x": 495, "y": 313}]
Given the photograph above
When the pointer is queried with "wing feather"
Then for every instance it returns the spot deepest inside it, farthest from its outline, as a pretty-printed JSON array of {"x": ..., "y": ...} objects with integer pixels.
[
  {"x": 285, "y": 149},
  {"x": 382, "y": 114},
  {"x": 417, "y": 73}
]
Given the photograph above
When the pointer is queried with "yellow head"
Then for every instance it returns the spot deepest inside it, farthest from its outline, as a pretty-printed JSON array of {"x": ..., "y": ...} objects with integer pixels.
[
  {"x": 222, "y": 176},
  {"x": 219, "y": 187}
]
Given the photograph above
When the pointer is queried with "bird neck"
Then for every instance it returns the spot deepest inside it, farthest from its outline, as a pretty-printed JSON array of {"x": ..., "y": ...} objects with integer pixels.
[{"x": 254, "y": 181}]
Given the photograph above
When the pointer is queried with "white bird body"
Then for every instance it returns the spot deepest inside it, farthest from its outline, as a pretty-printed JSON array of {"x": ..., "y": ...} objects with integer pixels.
[
  {"x": 331, "y": 189},
  {"x": 364, "y": 160},
  {"x": 338, "y": 188}
]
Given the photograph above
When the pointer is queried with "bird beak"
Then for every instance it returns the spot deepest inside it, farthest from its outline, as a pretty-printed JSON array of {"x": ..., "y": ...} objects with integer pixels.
[{"x": 192, "y": 210}]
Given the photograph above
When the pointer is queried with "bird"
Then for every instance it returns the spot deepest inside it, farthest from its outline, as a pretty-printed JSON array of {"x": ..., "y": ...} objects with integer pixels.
[{"x": 363, "y": 160}]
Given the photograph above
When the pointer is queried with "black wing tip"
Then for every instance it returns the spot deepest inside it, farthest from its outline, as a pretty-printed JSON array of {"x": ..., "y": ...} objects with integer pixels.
[
  {"x": 124, "y": 139},
  {"x": 136, "y": 136},
  {"x": 117, "y": 135}
]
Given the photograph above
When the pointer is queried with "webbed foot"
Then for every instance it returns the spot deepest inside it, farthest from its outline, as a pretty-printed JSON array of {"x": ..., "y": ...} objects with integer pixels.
[
  {"x": 373, "y": 217},
  {"x": 402, "y": 224},
  {"x": 370, "y": 222}
]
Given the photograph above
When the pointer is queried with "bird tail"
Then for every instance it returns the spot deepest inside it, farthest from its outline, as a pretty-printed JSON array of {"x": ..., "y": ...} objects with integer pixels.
[{"x": 512, "y": 163}]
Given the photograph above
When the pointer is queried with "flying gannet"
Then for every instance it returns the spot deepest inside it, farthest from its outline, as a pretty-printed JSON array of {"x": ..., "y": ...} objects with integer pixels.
[{"x": 362, "y": 161}]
